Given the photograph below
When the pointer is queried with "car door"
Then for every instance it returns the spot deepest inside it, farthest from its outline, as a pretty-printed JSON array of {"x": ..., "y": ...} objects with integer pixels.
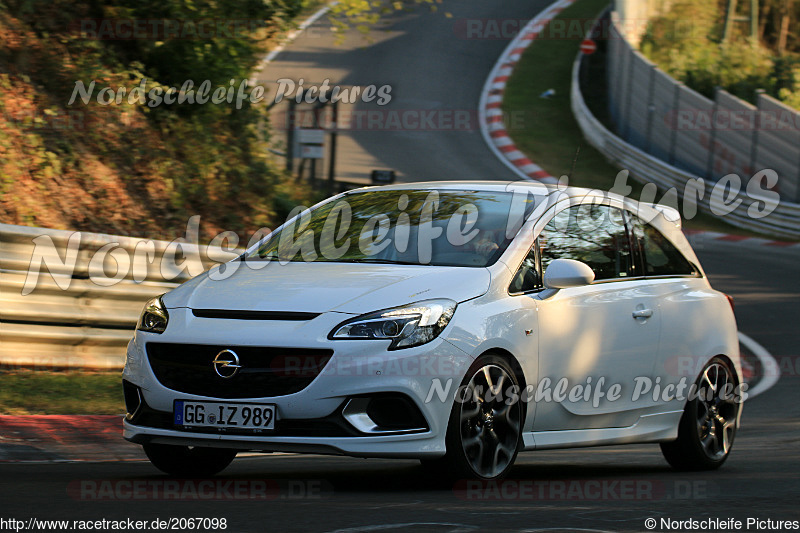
[
  {"x": 596, "y": 336},
  {"x": 685, "y": 301}
]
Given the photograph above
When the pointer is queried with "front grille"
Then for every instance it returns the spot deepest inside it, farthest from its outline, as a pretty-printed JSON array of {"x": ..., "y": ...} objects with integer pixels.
[
  {"x": 265, "y": 371},
  {"x": 253, "y": 315}
]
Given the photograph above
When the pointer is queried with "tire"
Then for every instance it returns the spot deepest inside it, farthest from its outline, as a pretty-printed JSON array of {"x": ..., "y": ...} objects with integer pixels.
[
  {"x": 709, "y": 421},
  {"x": 184, "y": 461},
  {"x": 484, "y": 434}
]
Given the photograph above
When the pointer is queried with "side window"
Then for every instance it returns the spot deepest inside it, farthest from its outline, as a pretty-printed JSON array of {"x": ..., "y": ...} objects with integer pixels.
[
  {"x": 661, "y": 257},
  {"x": 594, "y": 234},
  {"x": 527, "y": 277}
]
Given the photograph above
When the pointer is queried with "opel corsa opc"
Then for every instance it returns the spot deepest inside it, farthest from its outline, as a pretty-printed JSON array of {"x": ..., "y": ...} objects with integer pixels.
[{"x": 457, "y": 323}]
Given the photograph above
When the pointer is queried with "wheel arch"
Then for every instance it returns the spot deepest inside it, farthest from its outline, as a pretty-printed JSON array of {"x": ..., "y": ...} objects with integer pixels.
[
  {"x": 736, "y": 366},
  {"x": 705, "y": 361},
  {"x": 511, "y": 360},
  {"x": 518, "y": 372}
]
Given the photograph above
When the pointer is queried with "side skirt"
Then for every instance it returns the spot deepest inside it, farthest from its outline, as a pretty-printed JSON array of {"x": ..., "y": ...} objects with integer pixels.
[{"x": 649, "y": 428}]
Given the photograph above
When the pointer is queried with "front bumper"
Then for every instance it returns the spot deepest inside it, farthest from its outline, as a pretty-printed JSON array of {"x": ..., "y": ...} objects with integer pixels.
[
  {"x": 308, "y": 421},
  {"x": 424, "y": 445}
]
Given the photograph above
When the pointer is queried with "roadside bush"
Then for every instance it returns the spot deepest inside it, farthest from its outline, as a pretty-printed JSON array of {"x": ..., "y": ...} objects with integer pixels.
[
  {"x": 686, "y": 43},
  {"x": 790, "y": 93},
  {"x": 129, "y": 168}
]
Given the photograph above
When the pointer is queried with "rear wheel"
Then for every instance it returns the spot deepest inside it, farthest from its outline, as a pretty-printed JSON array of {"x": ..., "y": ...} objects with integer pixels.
[
  {"x": 708, "y": 424},
  {"x": 188, "y": 461},
  {"x": 485, "y": 427}
]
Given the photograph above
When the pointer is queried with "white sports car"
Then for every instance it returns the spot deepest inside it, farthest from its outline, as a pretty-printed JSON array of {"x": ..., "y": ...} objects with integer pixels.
[{"x": 458, "y": 323}]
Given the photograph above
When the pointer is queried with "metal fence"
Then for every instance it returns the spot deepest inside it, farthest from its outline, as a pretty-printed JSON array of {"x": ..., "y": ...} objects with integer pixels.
[
  {"x": 708, "y": 139},
  {"x": 81, "y": 309},
  {"x": 784, "y": 217}
]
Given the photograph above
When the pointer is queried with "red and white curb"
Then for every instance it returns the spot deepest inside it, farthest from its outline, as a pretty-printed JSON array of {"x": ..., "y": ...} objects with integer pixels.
[
  {"x": 500, "y": 143},
  {"x": 698, "y": 237},
  {"x": 64, "y": 438},
  {"x": 491, "y": 115}
]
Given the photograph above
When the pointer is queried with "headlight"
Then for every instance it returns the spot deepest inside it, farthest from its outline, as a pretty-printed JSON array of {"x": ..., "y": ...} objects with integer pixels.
[
  {"x": 154, "y": 317},
  {"x": 406, "y": 326}
]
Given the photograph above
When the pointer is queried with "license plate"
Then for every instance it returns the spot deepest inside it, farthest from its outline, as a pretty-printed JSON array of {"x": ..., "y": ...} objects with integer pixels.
[{"x": 191, "y": 414}]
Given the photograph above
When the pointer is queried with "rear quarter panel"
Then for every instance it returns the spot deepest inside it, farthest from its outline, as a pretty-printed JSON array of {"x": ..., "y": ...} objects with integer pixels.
[{"x": 697, "y": 324}]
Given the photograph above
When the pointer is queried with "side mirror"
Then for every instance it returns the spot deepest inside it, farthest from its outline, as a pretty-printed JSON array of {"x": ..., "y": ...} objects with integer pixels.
[{"x": 566, "y": 273}]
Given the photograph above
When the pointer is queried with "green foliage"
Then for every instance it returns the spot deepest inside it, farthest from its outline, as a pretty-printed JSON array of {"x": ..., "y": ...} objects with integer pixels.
[
  {"x": 686, "y": 43},
  {"x": 60, "y": 393},
  {"x": 127, "y": 167},
  {"x": 789, "y": 81},
  {"x": 739, "y": 68},
  {"x": 229, "y": 51}
]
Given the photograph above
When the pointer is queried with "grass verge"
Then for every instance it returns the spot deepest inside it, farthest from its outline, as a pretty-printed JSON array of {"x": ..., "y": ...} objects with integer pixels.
[
  {"x": 33, "y": 392},
  {"x": 551, "y": 135}
]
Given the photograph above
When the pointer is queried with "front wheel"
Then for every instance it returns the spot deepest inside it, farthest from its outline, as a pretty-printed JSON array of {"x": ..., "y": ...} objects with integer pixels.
[
  {"x": 708, "y": 424},
  {"x": 188, "y": 461},
  {"x": 485, "y": 426}
]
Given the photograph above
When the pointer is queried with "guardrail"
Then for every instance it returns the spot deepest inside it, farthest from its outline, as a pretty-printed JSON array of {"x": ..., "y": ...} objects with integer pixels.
[
  {"x": 710, "y": 138},
  {"x": 81, "y": 309},
  {"x": 71, "y": 299},
  {"x": 783, "y": 221}
]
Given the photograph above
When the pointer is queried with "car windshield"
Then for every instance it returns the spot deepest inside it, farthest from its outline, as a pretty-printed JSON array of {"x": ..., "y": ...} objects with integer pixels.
[{"x": 416, "y": 227}]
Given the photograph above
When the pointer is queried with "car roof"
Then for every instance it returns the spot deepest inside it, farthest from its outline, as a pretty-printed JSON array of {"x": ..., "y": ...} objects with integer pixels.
[
  {"x": 534, "y": 187},
  {"x": 477, "y": 185},
  {"x": 669, "y": 215}
]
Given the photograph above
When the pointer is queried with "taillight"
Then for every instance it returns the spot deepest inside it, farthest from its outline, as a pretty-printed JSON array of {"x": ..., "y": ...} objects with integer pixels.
[{"x": 730, "y": 301}]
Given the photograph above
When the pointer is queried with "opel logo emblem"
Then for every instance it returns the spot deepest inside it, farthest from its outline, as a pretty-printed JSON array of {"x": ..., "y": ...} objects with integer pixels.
[{"x": 226, "y": 364}]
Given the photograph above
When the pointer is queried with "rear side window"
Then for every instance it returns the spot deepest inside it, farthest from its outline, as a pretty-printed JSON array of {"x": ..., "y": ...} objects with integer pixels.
[
  {"x": 660, "y": 256},
  {"x": 591, "y": 233}
]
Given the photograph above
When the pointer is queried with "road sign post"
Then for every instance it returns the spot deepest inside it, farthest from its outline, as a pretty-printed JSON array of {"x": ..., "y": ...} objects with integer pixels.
[
  {"x": 332, "y": 153},
  {"x": 309, "y": 143}
]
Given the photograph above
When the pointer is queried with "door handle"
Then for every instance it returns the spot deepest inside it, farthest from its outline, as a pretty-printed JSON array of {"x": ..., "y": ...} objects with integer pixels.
[{"x": 642, "y": 313}]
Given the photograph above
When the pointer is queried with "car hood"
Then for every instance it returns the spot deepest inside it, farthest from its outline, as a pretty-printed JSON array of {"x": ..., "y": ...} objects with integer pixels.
[{"x": 320, "y": 287}]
